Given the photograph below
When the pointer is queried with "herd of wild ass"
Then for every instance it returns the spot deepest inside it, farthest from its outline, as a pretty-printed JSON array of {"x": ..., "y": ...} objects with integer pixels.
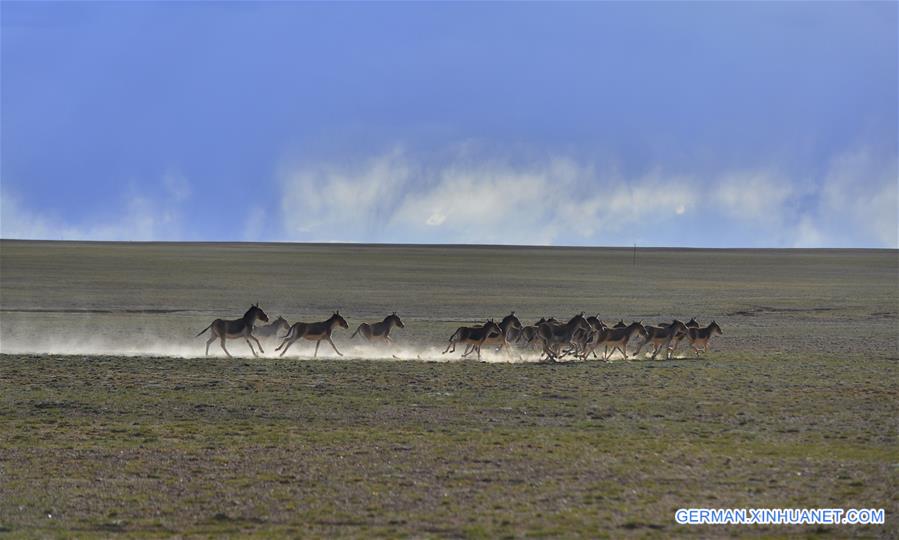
[{"x": 578, "y": 338}]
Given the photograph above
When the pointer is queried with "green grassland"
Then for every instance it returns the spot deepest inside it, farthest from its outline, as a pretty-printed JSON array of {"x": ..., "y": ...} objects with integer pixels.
[{"x": 796, "y": 405}]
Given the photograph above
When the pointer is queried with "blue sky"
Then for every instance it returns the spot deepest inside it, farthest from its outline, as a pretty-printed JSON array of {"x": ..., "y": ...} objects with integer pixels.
[{"x": 680, "y": 124}]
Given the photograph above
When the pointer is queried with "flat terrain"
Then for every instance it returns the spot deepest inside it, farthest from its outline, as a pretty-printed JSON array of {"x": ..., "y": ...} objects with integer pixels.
[{"x": 112, "y": 422}]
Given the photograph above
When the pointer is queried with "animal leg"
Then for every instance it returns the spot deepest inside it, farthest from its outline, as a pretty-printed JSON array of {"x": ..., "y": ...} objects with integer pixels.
[
  {"x": 334, "y": 347},
  {"x": 640, "y": 347},
  {"x": 317, "y": 343},
  {"x": 211, "y": 339},
  {"x": 251, "y": 347},
  {"x": 257, "y": 343},
  {"x": 551, "y": 354},
  {"x": 672, "y": 348},
  {"x": 669, "y": 348},
  {"x": 223, "y": 347},
  {"x": 289, "y": 343}
]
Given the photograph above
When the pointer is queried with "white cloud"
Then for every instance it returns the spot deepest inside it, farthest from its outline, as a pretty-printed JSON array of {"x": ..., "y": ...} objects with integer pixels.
[
  {"x": 556, "y": 201},
  {"x": 140, "y": 218},
  {"x": 859, "y": 198},
  {"x": 487, "y": 205},
  {"x": 854, "y": 203},
  {"x": 342, "y": 202},
  {"x": 16, "y": 221},
  {"x": 808, "y": 235},
  {"x": 753, "y": 196},
  {"x": 435, "y": 219}
]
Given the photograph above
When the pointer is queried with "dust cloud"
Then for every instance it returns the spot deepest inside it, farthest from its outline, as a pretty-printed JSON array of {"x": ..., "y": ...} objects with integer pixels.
[
  {"x": 158, "y": 346},
  {"x": 151, "y": 345}
]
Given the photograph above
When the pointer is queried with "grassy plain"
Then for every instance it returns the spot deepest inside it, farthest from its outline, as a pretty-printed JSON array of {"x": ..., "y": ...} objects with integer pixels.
[{"x": 796, "y": 406}]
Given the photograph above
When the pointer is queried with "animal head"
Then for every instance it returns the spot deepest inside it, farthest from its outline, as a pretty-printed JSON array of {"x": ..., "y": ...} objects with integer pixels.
[
  {"x": 491, "y": 327},
  {"x": 578, "y": 321},
  {"x": 638, "y": 326},
  {"x": 511, "y": 320},
  {"x": 339, "y": 320},
  {"x": 396, "y": 320},
  {"x": 256, "y": 313},
  {"x": 282, "y": 322},
  {"x": 715, "y": 328},
  {"x": 620, "y": 324},
  {"x": 679, "y": 326},
  {"x": 595, "y": 322}
]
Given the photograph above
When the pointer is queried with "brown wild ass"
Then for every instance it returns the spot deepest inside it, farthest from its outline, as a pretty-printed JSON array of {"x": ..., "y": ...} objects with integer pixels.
[
  {"x": 510, "y": 330},
  {"x": 472, "y": 335},
  {"x": 662, "y": 336},
  {"x": 235, "y": 329},
  {"x": 700, "y": 337},
  {"x": 379, "y": 330},
  {"x": 317, "y": 332},
  {"x": 617, "y": 338},
  {"x": 554, "y": 336},
  {"x": 271, "y": 329},
  {"x": 692, "y": 323}
]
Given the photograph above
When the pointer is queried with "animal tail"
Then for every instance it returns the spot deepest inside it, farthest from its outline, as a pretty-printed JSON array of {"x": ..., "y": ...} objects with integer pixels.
[
  {"x": 357, "y": 331},
  {"x": 207, "y": 328}
]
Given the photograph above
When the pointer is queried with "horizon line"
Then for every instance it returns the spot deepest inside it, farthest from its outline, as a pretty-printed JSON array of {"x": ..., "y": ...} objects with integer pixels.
[{"x": 447, "y": 245}]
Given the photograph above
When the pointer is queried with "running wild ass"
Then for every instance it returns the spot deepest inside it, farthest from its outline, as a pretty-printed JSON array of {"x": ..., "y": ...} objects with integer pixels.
[
  {"x": 379, "y": 330},
  {"x": 473, "y": 336},
  {"x": 317, "y": 332},
  {"x": 235, "y": 329},
  {"x": 271, "y": 329},
  {"x": 700, "y": 337}
]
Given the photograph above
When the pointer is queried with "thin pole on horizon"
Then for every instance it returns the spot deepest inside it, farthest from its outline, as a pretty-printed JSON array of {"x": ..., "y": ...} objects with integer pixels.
[{"x": 635, "y": 254}]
